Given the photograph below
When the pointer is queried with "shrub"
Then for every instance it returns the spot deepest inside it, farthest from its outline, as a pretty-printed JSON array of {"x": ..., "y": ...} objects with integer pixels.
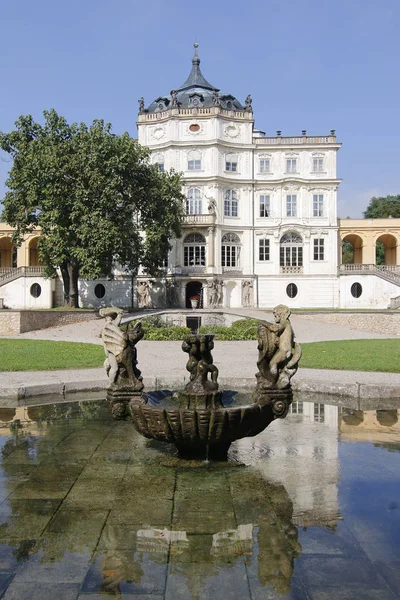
[
  {"x": 244, "y": 329},
  {"x": 155, "y": 328}
]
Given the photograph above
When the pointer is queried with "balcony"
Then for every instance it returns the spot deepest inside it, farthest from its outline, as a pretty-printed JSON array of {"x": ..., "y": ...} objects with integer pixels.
[{"x": 199, "y": 220}]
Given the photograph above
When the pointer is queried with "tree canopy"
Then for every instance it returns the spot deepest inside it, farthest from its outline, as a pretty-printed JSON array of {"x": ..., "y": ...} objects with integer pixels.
[
  {"x": 95, "y": 196},
  {"x": 382, "y": 207}
]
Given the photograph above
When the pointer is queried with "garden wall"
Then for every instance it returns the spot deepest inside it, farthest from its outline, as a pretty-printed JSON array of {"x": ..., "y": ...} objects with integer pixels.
[
  {"x": 377, "y": 322},
  {"x": 13, "y": 322}
]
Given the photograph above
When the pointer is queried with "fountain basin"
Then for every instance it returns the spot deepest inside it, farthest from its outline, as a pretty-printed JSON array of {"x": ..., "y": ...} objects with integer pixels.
[{"x": 206, "y": 432}]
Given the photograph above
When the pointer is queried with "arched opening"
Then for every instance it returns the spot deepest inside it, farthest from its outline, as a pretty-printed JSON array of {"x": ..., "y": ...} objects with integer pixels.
[
  {"x": 230, "y": 294},
  {"x": 33, "y": 253},
  {"x": 8, "y": 253},
  {"x": 352, "y": 245},
  {"x": 193, "y": 289},
  {"x": 385, "y": 249},
  {"x": 291, "y": 252}
]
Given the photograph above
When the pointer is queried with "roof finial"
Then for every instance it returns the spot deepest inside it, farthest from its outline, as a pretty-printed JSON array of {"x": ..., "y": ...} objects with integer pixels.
[{"x": 195, "y": 59}]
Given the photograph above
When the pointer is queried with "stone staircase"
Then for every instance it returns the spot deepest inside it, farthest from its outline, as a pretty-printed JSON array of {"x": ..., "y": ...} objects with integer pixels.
[
  {"x": 388, "y": 272},
  {"x": 8, "y": 274}
]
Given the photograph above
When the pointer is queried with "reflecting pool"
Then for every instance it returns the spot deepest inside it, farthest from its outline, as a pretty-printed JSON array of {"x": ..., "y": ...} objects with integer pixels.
[{"x": 89, "y": 509}]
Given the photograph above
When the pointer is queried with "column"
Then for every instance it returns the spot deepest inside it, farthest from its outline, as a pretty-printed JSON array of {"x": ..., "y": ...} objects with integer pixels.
[{"x": 211, "y": 247}]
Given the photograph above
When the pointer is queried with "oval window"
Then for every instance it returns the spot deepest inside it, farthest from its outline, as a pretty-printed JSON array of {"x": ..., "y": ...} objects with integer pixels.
[
  {"x": 356, "y": 290},
  {"x": 194, "y": 127},
  {"x": 291, "y": 290},
  {"x": 229, "y": 104},
  {"x": 35, "y": 290},
  {"x": 99, "y": 290}
]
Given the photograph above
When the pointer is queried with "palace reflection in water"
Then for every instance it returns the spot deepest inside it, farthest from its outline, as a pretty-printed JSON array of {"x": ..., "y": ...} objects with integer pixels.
[{"x": 88, "y": 506}]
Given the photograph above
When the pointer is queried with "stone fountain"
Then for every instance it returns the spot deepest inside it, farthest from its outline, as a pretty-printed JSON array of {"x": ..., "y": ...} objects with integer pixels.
[{"x": 201, "y": 420}]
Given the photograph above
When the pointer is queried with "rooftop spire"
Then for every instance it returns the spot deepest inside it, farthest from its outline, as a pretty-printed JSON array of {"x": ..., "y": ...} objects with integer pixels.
[{"x": 196, "y": 78}]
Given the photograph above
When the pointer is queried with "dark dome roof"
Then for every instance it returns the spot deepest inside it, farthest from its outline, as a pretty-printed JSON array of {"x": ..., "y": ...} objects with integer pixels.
[{"x": 195, "y": 92}]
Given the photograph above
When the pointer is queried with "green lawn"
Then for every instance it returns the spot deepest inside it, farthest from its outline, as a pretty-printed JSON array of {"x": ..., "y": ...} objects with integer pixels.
[
  {"x": 353, "y": 355},
  {"x": 43, "y": 355}
]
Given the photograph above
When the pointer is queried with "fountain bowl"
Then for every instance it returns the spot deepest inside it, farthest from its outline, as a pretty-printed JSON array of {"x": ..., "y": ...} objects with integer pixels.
[{"x": 206, "y": 432}]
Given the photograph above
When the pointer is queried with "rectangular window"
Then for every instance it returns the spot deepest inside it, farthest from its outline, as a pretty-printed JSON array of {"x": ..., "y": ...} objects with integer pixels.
[
  {"x": 291, "y": 205},
  {"x": 231, "y": 166},
  {"x": 194, "y": 165},
  {"x": 318, "y": 205},
  {"x": 229, "y": 256},
  {"x": 265, "y": 206},
  {"x": 160, "y": 167},
  {"x": 265, "y": 165},
  {"x": 194, "y": 256},
  {"x": 230, "y": 204},
  {"x": 291, "y": 165},
  {"x": 263, "y": 250},
  {"x": 318, "y": 165},
  {"x": 318, "y": 249},
  {"x": 291, "y": 256}
]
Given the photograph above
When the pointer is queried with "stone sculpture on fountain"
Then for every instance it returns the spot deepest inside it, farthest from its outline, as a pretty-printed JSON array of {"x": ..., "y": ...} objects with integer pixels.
[
  {"x": 201, "y": 420},
  {"x": 121, "y": 360}
]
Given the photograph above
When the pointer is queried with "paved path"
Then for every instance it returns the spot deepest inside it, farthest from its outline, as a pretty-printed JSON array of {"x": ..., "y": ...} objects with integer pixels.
[{"x": 163, "y": 364}]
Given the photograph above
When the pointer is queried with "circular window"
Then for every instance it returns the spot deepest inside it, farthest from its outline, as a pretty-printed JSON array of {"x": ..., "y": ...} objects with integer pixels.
[
  {"x": 194, "y": 127},
  {"x": 99, "y": 290},
  {"x": 356, "y": 290},
  {"x": 35, "y": 290},
  {"x": 291, "y": 290}
]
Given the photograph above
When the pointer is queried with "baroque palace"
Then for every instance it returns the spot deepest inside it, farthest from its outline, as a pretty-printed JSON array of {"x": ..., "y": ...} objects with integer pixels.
[{"x": 261, "y": 224}]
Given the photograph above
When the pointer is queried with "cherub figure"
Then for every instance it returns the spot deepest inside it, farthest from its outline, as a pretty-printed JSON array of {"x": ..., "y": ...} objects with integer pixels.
[{"x": 278, "y": 353}]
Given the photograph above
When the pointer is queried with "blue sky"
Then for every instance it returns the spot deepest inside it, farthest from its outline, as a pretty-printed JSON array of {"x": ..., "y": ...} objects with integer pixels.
[{"x": 308, "y": 64}]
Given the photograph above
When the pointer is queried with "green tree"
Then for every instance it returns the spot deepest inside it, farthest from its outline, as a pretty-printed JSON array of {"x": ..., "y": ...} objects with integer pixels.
[
  {"x": 347, "y": 253},
  {"x": 382, "y": 207},
  {"x": 95, "y": 197}
]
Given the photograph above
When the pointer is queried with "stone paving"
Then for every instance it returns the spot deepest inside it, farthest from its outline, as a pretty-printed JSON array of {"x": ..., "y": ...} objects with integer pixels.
[{"x": 90, "y": 510}]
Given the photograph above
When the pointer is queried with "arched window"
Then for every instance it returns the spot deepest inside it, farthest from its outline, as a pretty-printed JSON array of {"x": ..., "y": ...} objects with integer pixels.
[
  {"x": 194, "y": 160},
  {"x": 230, "y": 250},
  {"x": 193, "y": 202},
  {"x": 231, "y": 162},
  {"x": 291, "y": 250},
  {"x": 230, "y": 204},
  {"x": 194, "y": 250}
]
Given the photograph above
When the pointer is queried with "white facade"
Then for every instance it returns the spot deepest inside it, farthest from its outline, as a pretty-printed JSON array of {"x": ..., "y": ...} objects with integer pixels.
[{"x": 260, "y": 209}]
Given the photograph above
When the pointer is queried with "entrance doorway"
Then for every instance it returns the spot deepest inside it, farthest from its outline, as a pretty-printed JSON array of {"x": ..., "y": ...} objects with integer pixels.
[{"x": 194, "y": 288}]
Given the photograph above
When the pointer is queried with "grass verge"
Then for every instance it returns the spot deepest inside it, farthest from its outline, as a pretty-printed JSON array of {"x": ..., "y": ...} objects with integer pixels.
[
  {"x": 43, "y": 355},
  {"x": 353, "y": 355}
]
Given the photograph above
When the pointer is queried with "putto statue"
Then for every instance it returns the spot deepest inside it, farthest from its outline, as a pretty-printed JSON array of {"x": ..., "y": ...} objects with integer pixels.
[
  {"x": 248, "y": 103},
  {"x": 199, "y": 365},
  {"x": 278, "y": 353},
  {"x": 121, "y": 360}
]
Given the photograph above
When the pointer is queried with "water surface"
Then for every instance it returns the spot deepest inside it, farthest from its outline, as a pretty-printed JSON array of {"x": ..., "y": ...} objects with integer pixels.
[{"x": 89, "y": 509}]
